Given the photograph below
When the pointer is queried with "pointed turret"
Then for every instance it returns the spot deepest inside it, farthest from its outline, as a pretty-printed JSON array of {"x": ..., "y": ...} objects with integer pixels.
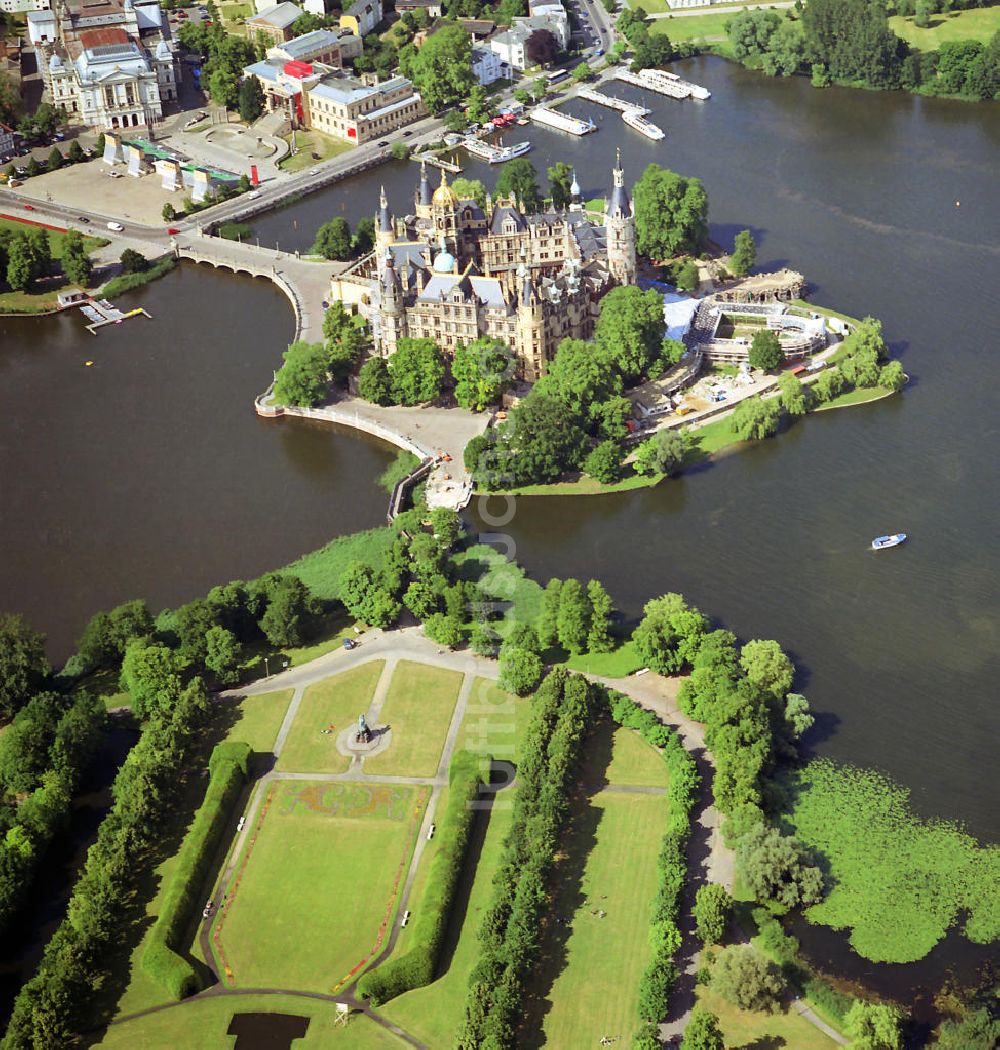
[
  {"x": 619, "y": 208},
  {"x": 619, "y": 228},
  {"x": 384, "y": 218},
  {"x": 425, "y": 185}
]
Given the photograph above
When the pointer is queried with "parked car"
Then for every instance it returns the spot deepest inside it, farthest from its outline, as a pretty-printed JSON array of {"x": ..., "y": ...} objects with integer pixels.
[
  {"x": 116, "y": 226},
  {"x": 82, "y": 218},
  {"x": 172, "y": 230},
  {"x": 29, "y": 207},
  {"x": 114, "y": 174}
]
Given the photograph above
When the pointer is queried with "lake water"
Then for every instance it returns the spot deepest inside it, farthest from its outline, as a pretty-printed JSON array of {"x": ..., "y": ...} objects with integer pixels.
[{"x": 149, "y": 475}]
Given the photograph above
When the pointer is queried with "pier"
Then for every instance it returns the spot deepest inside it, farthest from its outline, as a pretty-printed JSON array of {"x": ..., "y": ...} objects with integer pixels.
[
  {"x": 100, "y": 313},
  {"x": 437, "y": 162},
  {"x": 560, "y": 121},
  {"x": 600, "y": 99},
  {"x": 662, "y": 83}
]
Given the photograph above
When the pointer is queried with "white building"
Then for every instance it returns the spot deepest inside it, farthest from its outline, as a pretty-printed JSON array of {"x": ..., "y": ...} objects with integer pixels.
[
  {"x": 41, "y": 27},
  {"x": 509, "y": 45},
  {"x": 16, "y": 7},
  {"x": 489, "y": 66},
  {"x": 362, "y": 16}
]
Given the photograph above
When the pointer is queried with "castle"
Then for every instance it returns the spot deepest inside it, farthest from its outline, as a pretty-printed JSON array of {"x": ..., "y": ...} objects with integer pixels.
[{"x": 454, "y": 271}]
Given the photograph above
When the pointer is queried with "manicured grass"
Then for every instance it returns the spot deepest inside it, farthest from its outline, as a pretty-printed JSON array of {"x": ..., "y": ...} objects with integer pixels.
[
  {"x": 896, "y": 882},
  {"x": 824, "y": 310},
  {"x": 710, "y": 28},
  {"x": 202, "y": 1024},
  {"x": 338, "y": 628},
  {"x": 321, "y": 570},
  {"x": 418, "y": 708},
  {"x": 978, "y": 23},
  {"x": 258, "y": 718},
  {"x": 331, "y": 704},
  {"x": 744, "y": 1028},
  {"x": 55, "y": 239},
  {"x": 860, "y": 396},
  {"x": 434, "y": 1014},
  {"x": 495, "y": 722},
  {"x": 623, "y": 661},
  {"x": 104, "y": 684},
  {"x": 503, "y": 581},
  {"x": 310, "y": 893},
  {"x": 712, "y": 437},
  {"x": 592, "y": 981},
  {"x": 588, "y": 486},
  {"x": 634, "y": 762},
  {"x": 308, "y": 143}
]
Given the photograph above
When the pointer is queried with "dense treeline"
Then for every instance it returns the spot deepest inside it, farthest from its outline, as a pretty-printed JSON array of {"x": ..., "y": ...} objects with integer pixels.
[
  {"x": 664, "y": 933},
  {"x": 416, "y": 967},
  {"x": 162, "y": 958},
  {"x": 562, "y": 711},
  {"x": 51, "y": 1008},
  {"x": 43, "y": 754}
]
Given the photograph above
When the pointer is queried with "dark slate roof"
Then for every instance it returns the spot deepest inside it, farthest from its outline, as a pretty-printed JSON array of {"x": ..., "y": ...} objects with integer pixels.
[
  {"x": 501, "y": 213},
  {"x": 477, "y": 212},
  {"x": 426, "y": 193},
  {"x": 619, "y": 207}
]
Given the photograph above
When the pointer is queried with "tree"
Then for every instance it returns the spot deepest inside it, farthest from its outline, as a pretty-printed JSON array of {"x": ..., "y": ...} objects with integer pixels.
[
  {"x": 374, "y": 384},
  {"x": 445, "y": 630},
  {"x": 151, "y": 675},
  {"x": 291, "y": 613},
  {"x": 599, "y": 638},
  {"x": 765, "y": 350},
  {"x": 712, "y": 908},
  {"x": 76, "y": 262},
  {"x": 519, "y": 181},
  {"x": 630, "y": 329},
  {"x": 442, "y": 68},
  {"x": 776, "y": 869},
  {"x": 669, "y": 633},
  {"x": 133, "y": 261},
  {"x": 874, "y": 1026},
  {"x": 416, "y": 371},
  {"x": 24, "y": 749},
  {"x": 54, "y": 163},
  {"x": 829, "y": 384},
  {"x": 892, "y": 376},
  {"x": 604, "y": 463},
  {"x": 786, "y": 52},
  {"x": 581, "y": 72},
  {"x": 703, "y": 1032},
  {"x": 18, "y": 264},
  {"x": 671, "y": 213},
  {"x": 743, "y": 976},
  {"x": 168, "y": 212},
  {"x": 585, "y": 379},
  {"x": 455, "y": 121},
  {"x": 977, "y": 1030},
  {"x": 744, "y": 254},
  {"x": 793, "y": 395},
  {"x": 224, "y": 88},
  {"x": 470, "y": 189},
  {"x": 573, "y": 621},
  {"x": 76, "y": 154},
  {"x": 364, "y": 236},
  {"x": 304, "y": 377},
  {"x": 663, "y": 453},
  {"x": 755, "y": 419},
  {"x": 538, "y": 443},
  {"x": 192, "y": 622},
  {"x": 333, "y": 240},
  {"x": 520, "y": 669},
  {"x": 768, "y": 668},
  {"x": 483, "y": 370},
  {"x": 688, "y": 276},
  {"x": 481, "y": 105},
  {"x": 923, "y": 11},
  {"x": 797, "y": 717},
  {"x": 222, "y": 653},
  {"x": 852, "y": 39},
  {"x": 22, "y": 663},
  {"x": 307, "y": 22},
  {"x": 250, "y": 100},
  {"x": 560, "y": 180},
  {"x": 547, "y": 626},
  {"x": 539, "y": 88},
  {"x": 366, "y": 597},
  {"x": 541, "y": 47}
]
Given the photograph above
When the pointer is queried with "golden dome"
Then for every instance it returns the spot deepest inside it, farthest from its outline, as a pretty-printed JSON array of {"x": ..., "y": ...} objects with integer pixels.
[{"x": 444, "y": 195}]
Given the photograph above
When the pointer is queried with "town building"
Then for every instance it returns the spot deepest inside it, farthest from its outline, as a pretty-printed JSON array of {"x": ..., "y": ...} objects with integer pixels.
[
  {"x": 17, "y": 7},
  {"x": 362, "y": 16},
  {"x": 108, "y": 63},
  {"x": 329, "y": 47},
  {"x": 274, "y": 24},
  {"x": 8, "y": 144},
  {"x": 434, "y": 8},
  {"x": 510, "y": 44},
  {"x": 488, "y": 66},
  {"x": 453, "y": 271}
]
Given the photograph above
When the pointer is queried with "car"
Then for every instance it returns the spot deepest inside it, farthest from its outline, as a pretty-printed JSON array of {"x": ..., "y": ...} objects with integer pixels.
[
  {"x": 253, "y": 194},
  {"x": 182, "y": 14},
  {"x": 407, "y": 134},
  {"x": 114, "y": 174},
  {"x": 384, "y": 142},
  {"x": 21, "y": 171},
  {"x": 350, "y": 643},
  {"x": 116, "y": 226},
  {"x": 172, "y": 230},
  {"x": 29, "y": 207},
  {"x": 82, "y": 218},
  {"x": 315, "y": 171}
]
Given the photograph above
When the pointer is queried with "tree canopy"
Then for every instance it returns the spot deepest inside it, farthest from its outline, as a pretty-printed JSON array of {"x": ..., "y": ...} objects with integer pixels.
[
  {"x": 671, "y": 213},
  {"x": 519, "y": 180},
  {"x": 442, "y": 68}
]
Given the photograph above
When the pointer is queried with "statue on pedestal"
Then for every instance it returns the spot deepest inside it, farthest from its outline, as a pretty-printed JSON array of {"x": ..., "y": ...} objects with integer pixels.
[{"x": 364, "y": 734}]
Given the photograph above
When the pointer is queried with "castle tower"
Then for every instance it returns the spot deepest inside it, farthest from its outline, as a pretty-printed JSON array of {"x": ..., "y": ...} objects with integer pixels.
[
  {"x": 529, "y": 339},
  {"x": 619, "y": 226},
  {"x": 391, "y": 309},
  {"x": 422, "y": 198},
  {"x": 575, "y": 197},
  {"x": 444, "y": 212},
  {"x": 384, "y": 232}
]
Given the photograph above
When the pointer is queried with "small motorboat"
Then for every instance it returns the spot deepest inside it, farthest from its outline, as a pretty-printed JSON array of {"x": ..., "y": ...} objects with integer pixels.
[{"x": 881, "y": 542}]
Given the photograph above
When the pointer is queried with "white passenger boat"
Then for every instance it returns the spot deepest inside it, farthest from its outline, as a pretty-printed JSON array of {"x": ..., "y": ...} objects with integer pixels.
[{"x": 638, "y": 122}]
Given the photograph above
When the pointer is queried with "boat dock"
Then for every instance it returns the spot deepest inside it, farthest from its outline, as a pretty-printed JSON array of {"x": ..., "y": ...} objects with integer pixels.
[
  {"x": 600, "y": 99},
  {"x": 560, "y": 121},
  {"x": 100, "y": 313},
  {"x": 662, "y": 83},
  {"x": 437, "y": 162}
]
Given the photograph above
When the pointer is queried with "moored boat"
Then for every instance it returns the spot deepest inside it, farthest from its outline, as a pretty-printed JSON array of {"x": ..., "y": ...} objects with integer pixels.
[
  {"x": 893, "y": 540},
  {"x": 638, "y": 122}
]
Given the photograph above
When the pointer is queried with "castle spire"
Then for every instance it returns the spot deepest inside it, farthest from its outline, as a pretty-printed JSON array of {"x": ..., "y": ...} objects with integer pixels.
[{"x": 384, "y": 216}]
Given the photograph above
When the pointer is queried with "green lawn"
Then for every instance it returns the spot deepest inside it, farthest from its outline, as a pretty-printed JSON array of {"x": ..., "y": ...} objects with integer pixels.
[
  {"x": 309, "y": 142},
  {"x": 618, "y": 664},
  {"x": 331, "y": 704},
  {"x": 860, "y": 396},
  {"x": 318, "y": 879},
  {"x": 502, "y": 580},
  {"x": 321, "y": 570},
  {"x": 978, "y": 23},
  {"x": 588, "y": 486},
  {"x": 635, "y": 762},
  {"x": 495, "y": 722},
  {"x": 55, "y": 239},
  {"x": 202, "y": 1024},
  {"x": 588, "y": 985},
  {"x": 744, "y": 1029},
  {"x": 258, "y": 718},
  {"x": 418, "y": 708},
  {"x": 434, "y": 1014},
  {"x": 711, "y": 27}
]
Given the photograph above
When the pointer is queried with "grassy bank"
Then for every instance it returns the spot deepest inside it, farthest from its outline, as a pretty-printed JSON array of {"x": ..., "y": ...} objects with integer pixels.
[
  {"x": 861, "y": 396},
  {"x": 978, "y": 23},
  {"x": 127, "y": 282},
  {"x": 710, "y": 28},
  {"x": 56, "y": 238},
  {"x": 308, "y": 143},
  {"x": 321, "y": 570}
]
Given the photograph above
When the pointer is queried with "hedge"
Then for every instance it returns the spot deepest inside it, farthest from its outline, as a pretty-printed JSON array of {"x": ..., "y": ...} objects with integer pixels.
[
  {"x": 659, "y": 977},
  {"x": 174, "y": 973},
  {"x": 416, "y": 967}
]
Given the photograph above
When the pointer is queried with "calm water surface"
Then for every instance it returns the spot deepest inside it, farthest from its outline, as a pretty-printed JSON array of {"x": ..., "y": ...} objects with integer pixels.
[{"x": 148, "y": 474}]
